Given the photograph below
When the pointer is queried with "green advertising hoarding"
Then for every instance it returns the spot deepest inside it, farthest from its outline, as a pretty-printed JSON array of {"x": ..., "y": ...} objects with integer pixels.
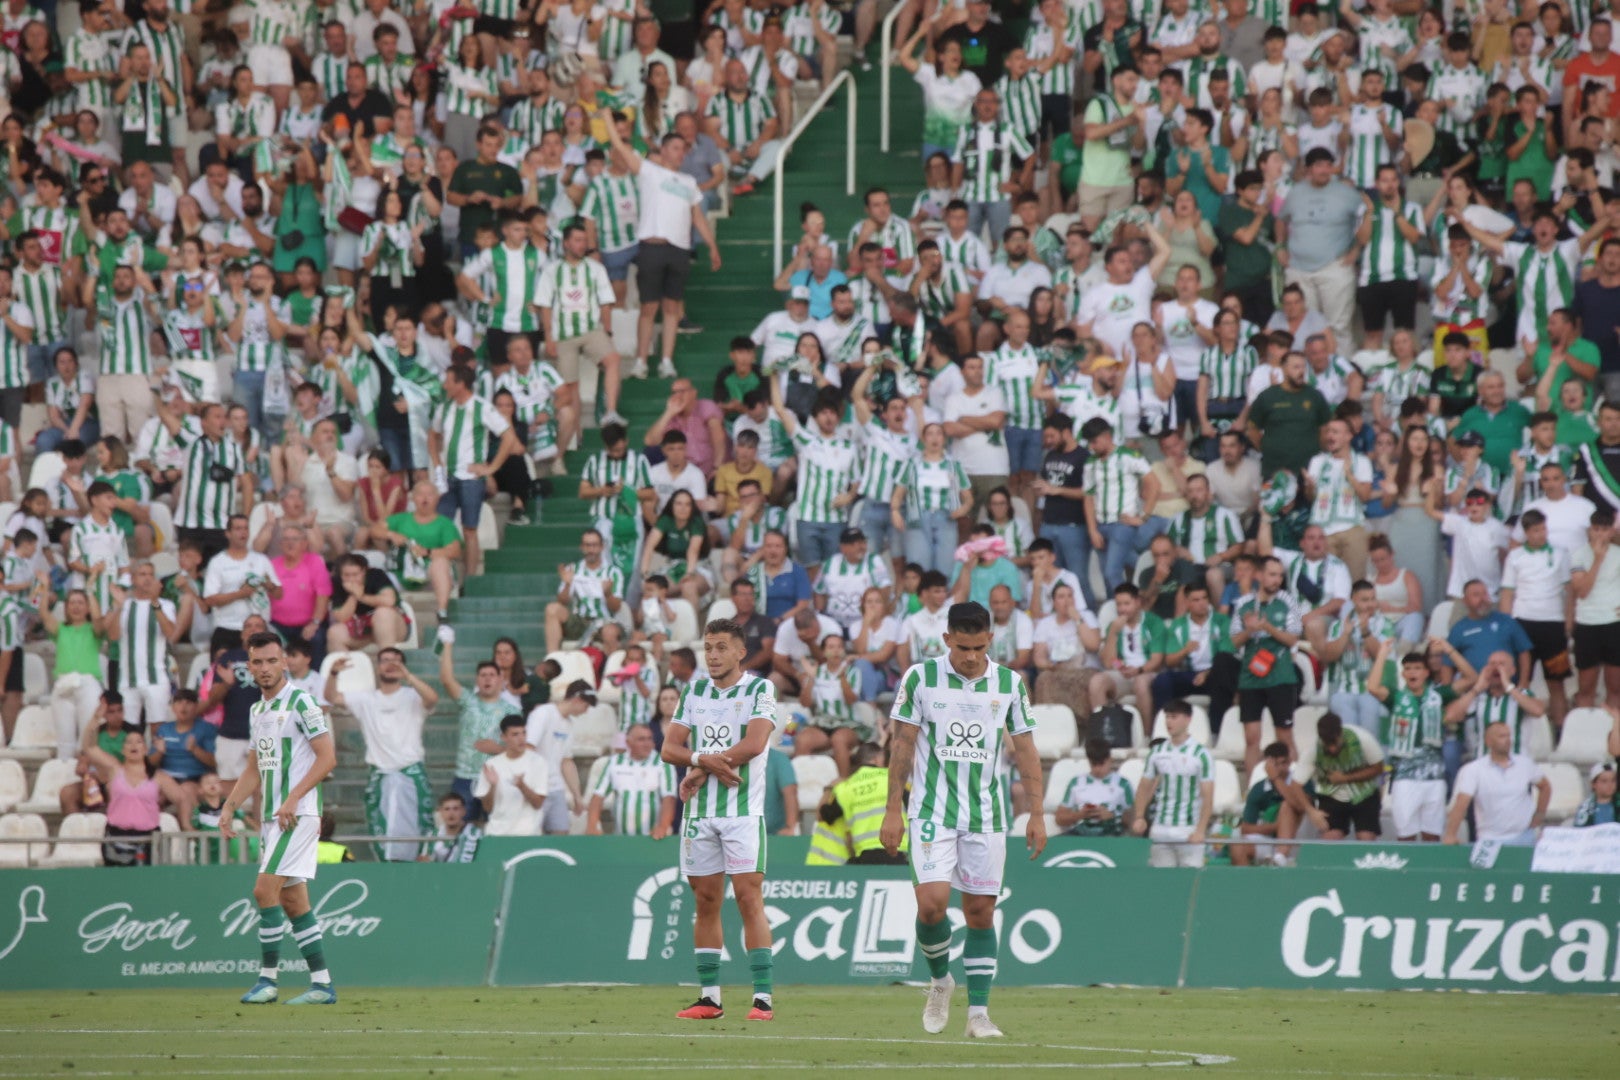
[{"x": 563, "y": 910}]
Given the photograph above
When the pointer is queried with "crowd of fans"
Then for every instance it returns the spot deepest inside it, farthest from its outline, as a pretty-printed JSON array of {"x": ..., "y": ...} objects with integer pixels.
[{"x": 1218, "y": 353}]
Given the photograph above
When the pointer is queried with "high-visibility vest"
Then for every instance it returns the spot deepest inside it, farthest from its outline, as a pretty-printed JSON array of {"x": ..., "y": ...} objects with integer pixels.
[
  {"x": 829, "y": 844},
  {"x": 864, "y": 797},
  {"x": 328, "y": 852}
]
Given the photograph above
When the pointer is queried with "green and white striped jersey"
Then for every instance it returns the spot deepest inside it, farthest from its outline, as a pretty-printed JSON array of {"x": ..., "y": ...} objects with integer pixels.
[
  {"x": 1390, "y": 256},
  {"x": 1021, "y": 101},
  {"x": 41, "y": 293},
  {"x": 1413, "y": 732},
  {"x": 13, "y": 350},
  {"x": 90, "y": 543},
  {"x": 465, "y": 430},
  {"x": 392, "y": 246},
  {"x": 1484, "y": 477},
  {"x": 826, "y": 471},
  {"x": 741, "y": 121},
  {"x": 389, "y": 77},
  {"x": 126, "y": 334},
  {"x": 602, "y": 470},
  {"x": 167, "y": 47},
  {"x": 91, "y": 52},
  {"x": 1546, "y": 280},
  {"x": 1200, "y": 68},
  {"x": 1228, "y": 373},
  {"x": 1208, "y": 534},
  {"x": 933, "y": 485},
  {"x": 253, "y": 118},
  {"x": 11, "y": 622},
  {"x": 1335, "y": 505},
  {"x": 513, "y": 273},
  {"x": 460, "y": 86},
  {"x": 1368, "y": 148},
  {"x": 1209, "y": 639},
  {"x": 258, "y": 351},
  {"x": 206, "y": 503},
  {"x": 616, "y": 33},
  {"x": 961, "y": 774},
  {"x": 634, "y": 705},
  {"x": 331, "y": 72},
  {"x": 937, "y": 296},
  {"x": 1180, "y": 772},
  {"x": 1114, "y": 483},
  {"x": 1464, "y": 88},
  {"x": 884, "y": 455},
  {"x": 827, "y": 704},
  {"x": 613, "y": 201},
  {"x": 531, "y": 119},
  {"x": 283, "y": 728},
  {"x": 1488, "y": 709},
  {"x": 1397, "y": 384},
  {"x": 635, "y": 789},
  {"x": 843, "y": 583},
  {"x": 188, "y": 336},
  {"x": 1112, "y": 792},
  {"x": 1348, "y": 674},
  {"x": 272, "y": 22},
  {"x": 799, "y": 27},
  {"x": 60, "y": 237},
  {"x": 1015, "y": 371},
  {"x": 574, "y": 293},
  {"x": 966, "y": 252},
  {"x": 589, "y": 591},
  {"x": 66, "y": 394},
  {"x": 1071, "y": 285},
  {"x": 718, "y": 718},
  {"x": 1040, "y": 42},
  {"x": 772, "y": 519},
  {"x": 897, "y": 242},
  {"x": 988, "y": 153},
  {"x": 143, "y": 651}
]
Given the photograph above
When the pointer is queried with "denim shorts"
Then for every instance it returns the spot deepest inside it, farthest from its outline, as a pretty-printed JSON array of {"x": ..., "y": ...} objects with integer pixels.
[
  {"x": 1024, "y": 452},
  {"x": 466, "y": 496},
  {"x": 618, "y": 262}
]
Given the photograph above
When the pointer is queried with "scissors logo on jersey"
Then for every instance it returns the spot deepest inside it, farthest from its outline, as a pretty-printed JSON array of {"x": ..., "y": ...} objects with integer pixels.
[
  {"x": 713, "y": 734},
  {"x": 962, "y": 743}
]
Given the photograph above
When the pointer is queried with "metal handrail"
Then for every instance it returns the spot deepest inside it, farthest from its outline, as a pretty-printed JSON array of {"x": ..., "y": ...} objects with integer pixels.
[
  {"x": 844, "y": 79},
  {"x": 886, "y": 70}
]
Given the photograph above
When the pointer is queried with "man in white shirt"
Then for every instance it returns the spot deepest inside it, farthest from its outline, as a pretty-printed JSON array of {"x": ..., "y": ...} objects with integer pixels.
[
  {"x": 798, "y": 638},
  {"x": 1535, "y": 591},
  {"x": 778, "y": 333},
  {"x": 1594, "y": 584},
  {"x": 1012, "y": 633},
  {"x": 675, "y": 473},
  {"x": 1567, "y": 514},
  {"x": 1319, "y": 579},
  {"x": 1508, "y": 791},
  {"x": 239, "y": 582},
  {"x": 550, "y": 733},
  {"x": 1008, "y": 284},
  {"x": 630, "y": 69},
  {"x": 399, "y": 799},
  {"x": 922, "y": 633},
  {"x": 1109, "y": 311},
  {"x": 513, "y": 784},
  {"x": 974, "y": 418},
  {"x": 1338, "y": 481},
  {"x": 1478, "y": 544}
]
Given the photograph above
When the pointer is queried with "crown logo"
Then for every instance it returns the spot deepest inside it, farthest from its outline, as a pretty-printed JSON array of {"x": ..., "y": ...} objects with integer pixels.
[{"x": 1381, "y": 860}]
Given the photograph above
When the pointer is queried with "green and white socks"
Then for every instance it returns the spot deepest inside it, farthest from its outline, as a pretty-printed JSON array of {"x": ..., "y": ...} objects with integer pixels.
[
  {"x": 307, "y": 933},
  {"x": 708, "y": 973},
  {"x": 759, "y": 963},
  {"x": 272, "y": 926},
  {"x": 978, "y": 957}
]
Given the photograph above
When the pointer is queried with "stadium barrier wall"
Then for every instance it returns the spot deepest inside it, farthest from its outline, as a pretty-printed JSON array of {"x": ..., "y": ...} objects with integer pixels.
[{"x": 572, "y": 910}]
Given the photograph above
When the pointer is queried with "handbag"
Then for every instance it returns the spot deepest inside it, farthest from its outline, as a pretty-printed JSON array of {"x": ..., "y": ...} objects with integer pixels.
[
  {"x": 354, "y": 220},
  {"x": 292, "y": 239},
  {"x": 1261, "y": 663}
]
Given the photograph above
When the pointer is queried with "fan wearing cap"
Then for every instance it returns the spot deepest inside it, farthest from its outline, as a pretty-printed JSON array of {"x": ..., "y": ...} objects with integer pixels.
[
  {"x": 1468, "y": 470},
  {"x": 1479, "y": 543},
  {"x": 1092, "y": 389},
  {"x": 550, "y": 732},
  {"x": 1598, "y": 807},
  {"x": 846, "y": 576}
]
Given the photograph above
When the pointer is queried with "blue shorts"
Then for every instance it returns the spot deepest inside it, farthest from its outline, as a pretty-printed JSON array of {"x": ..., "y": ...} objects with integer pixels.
[
  {"x": 1024, "y": 452},
  {"x": 618, "y": 262},
  {"x": 818, "y": 541},
  {"x": 466, "y": 496}
]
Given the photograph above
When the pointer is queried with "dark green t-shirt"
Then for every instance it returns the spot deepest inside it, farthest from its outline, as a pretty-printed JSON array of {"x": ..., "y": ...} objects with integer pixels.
[
  {"x": 1457, "y": 393},
  {"x": 501, "y": 181},
  {"x": 677, "y": 538},
  {"x": 1290, "y": 424},
  {"x": 1066, "y": 155},
  {"x": 1246, "y": 264}
]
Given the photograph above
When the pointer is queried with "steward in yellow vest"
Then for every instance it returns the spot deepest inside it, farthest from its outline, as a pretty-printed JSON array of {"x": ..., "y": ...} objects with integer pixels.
[{"x": 851, "y": 815}]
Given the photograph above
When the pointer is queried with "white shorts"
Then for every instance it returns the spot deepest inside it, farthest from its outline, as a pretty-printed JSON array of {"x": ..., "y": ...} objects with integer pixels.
[
  {"x": 291, "y": 855},
  {"x": 554, "y": 818},
  {"x": 271, "y": 65},
  {"x": 1170, "y": 847},
  {"x": 343, "y": 249},
  {"x": 230, "y": 757},
  {"x": 149, "y": 704},
  {"x": 1419, "y": 807},
  {"x": 971, "y": 863},
  {"x": 711, "y": 846}
]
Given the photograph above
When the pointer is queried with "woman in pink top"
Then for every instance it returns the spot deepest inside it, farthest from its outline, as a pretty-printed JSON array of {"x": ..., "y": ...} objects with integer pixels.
[
  {"x": 135, "y": 792},
  {"x": 306, "y": 592}
]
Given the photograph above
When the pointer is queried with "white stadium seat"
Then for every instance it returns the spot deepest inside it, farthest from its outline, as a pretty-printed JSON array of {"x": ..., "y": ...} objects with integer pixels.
[
  {"x": 78, "y": 841},
  {"x": 53, "y": 776},
  {"x": 1063, "y": 773},
  {"x": 1305, "y": 718},
  {"x": 721, "y": 609},
  {"x": 13, "y": 785},
  {"x": 1568, "y": 789},
  {"x": 1536, "y": 737},
  {"x": 164, "y": 564},
  {"x": 166, "y": 536},
  {"x": 1228, "y": 795},
  {"x": 815, "y": 773},
  {"x": 686, "y": 630},
  {"x": 1131, "y": 769},
  {"x": 20, "y": 826},
  {"x": 358, "y": 677},
  {"x": 413, "y": 640},
  {"x": 1585, "y": 739},
  {"x": 1229, "y": 744},
  {"x": 34, "y": 738},
  {"x": 594, "y": 730},
  {"x": 47, "y": 469},
  {"x": 575, "y": 664},
  {"x": 1055, "y": 731},
  {"x": 1440, "y": 619},
  {"x": 36, "y": 678}
]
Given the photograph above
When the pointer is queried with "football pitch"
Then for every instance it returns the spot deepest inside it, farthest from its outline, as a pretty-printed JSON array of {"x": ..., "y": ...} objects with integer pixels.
[{"x": 617, "y": 1031}]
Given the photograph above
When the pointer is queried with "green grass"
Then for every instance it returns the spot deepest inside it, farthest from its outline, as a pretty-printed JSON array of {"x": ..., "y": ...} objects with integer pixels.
[{"x": 621, "y": 1031}]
